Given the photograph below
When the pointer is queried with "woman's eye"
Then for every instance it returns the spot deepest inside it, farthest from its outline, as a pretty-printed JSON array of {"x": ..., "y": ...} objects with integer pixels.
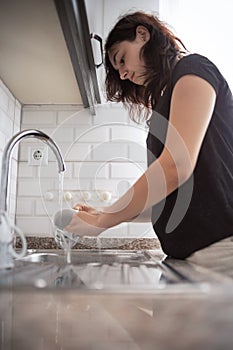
[{"x": 122, "y": 61}]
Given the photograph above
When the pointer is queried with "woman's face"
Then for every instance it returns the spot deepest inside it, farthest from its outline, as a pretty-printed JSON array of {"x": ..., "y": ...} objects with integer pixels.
[{"x": 125, "y": 57}]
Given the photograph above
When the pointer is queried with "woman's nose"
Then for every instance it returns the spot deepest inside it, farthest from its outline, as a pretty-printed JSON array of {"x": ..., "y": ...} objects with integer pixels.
[{"x": 123, "y": 74}]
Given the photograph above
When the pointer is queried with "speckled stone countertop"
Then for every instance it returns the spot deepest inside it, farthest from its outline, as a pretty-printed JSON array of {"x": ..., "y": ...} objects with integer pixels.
[{"x": 92, "y": 243}]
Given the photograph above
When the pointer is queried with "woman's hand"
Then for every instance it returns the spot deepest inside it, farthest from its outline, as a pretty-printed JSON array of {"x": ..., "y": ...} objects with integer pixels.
[
  {"x": 87, "y": 209},
  {"x": 85, "y": 222}
]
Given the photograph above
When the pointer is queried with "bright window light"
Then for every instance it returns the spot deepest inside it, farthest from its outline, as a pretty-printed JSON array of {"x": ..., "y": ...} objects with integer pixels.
[{"x": 205, "y": 27}]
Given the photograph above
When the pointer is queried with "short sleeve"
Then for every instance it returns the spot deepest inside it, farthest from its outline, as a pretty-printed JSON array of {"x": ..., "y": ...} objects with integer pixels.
[{"x": 198, "y": 65}]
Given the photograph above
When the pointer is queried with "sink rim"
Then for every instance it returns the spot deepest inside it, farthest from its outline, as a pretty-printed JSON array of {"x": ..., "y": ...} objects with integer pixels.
[
  {"x": 39, "y": 256},
  {"x": 56, "y": 262}
]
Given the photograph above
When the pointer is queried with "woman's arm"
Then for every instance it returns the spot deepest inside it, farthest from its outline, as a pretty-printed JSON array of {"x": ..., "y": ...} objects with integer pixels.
[
  {"x": 191, "y": 109},
  {"x": 144, "y": 216}
]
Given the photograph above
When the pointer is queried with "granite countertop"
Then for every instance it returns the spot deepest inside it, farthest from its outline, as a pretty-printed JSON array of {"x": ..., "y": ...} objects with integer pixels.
[{"x": 34, "y": 242}]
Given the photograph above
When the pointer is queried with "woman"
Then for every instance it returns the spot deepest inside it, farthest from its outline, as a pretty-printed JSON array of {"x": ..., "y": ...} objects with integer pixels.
[{"x": 189, "y": 180}]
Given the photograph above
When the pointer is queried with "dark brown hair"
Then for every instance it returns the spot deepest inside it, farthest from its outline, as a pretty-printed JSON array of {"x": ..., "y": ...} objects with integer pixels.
[{"x": 159, "y": 55}]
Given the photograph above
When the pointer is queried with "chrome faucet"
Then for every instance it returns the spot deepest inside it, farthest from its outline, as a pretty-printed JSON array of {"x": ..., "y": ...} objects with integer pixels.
[
  {"x": 6, "y": 160},
  {"x": 6, "y": 227}
]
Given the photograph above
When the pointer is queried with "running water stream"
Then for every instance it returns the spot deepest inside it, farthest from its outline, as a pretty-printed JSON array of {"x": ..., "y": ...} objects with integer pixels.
[
  {"x": 60, "y": 189},
  {"x": 64, "y": 241},
  {"x": 98, "y": 244}
]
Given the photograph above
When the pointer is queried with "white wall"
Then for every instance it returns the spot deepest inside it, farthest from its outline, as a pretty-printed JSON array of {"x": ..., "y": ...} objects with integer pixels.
[
  {"x": 106, "y": 152},
  {"x": 204, "y": 27},
  {"x": 10, "y": 114}
]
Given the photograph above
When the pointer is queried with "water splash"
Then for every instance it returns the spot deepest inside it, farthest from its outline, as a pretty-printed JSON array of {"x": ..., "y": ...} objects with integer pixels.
[
  {"x": 65, "y": 241},
  {"x": 98, "y": 244}
]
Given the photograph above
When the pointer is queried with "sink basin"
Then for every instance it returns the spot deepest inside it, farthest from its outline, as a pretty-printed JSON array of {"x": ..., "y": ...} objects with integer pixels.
[
  {"x": 105, "y": 270},
  {"x": 87, "y": 256}
]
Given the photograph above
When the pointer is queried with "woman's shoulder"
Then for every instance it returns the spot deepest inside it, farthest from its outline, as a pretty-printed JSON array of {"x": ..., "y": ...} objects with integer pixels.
[
  {"x": 192, "y": 57},
  {"x": 194, "y": 61},
  {"x": 197, "y": 64}
]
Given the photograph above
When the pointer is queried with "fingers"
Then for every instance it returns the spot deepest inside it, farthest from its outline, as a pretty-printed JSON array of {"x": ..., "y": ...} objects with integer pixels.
[
  {"x": 82, "y": 207},
  {"x": 79, "y": 207},
  {"x": 87, "y": 209},
  {"x": 84, "y": 224}
]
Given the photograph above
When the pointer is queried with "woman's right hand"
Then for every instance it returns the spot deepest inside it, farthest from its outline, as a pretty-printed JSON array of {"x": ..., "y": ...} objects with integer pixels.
[
  {"x": 85, "y": 222},
  {"x": 86, "y": 208}
]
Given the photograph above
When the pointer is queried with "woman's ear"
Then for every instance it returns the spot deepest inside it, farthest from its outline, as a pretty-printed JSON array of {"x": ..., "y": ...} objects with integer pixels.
[{"x": 142, "y": 34}]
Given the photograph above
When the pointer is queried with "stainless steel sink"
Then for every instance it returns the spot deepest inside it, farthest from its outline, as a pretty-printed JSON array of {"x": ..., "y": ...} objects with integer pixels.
[
  {"x": 106, "y": 270},
  {"x": 40, "y": 257},
  {"x": 86, "y": 256}
]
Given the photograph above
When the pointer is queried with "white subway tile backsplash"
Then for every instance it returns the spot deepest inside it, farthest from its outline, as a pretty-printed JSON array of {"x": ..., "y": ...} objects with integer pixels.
[
  {"x": 50, "y": 171},
  {"x": 17, "y": 119},
  {"x": 91, "y": 170},
  {"x": 24, "y": 170},
  {"x": 75, "y": 152},
  {"x": 110, "y": 114},
  {"x": 59, "y": 133},
  {"x": 11, "y": 108},
  {"x": 137, "y": 152},
  {"x": 24, "y": 149},
  {"x": 2, "y": 140},
  {"x": 32, "y": 225},
  {"x": 25, "y": 206},
  {"x": 128, "y": 132},
  {"x": 16, "y": 128},
  {"x": 6, "y": 124},
  {"x": 46, "y": 208},
  {"x": 92, "y": 134},
  {"x": 77, "y": 184},
  {"x": 4, "y": 97},
  {"x": 74, "y": 117},
  {"x": 126, "y": 170},
  {"x": 110, "y": 152},
  {"x": 8, "y": 128},
  {"x": 105, "y": 152},
  {"x": 39, "y": 117},
  {"x": 34, "y": 187},
  {"x": 111, "y": 119}
]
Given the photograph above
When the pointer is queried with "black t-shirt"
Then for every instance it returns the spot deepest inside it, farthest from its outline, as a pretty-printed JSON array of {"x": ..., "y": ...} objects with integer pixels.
[{"x": 200, "y": 212}]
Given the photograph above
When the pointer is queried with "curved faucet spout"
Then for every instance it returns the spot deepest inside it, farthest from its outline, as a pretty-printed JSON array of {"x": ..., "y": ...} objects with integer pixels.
[{"x": 6, "y": 159}]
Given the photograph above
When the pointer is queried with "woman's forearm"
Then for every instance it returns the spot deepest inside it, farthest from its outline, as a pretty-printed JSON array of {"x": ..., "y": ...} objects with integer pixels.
[
  {"x": 160, "y": 179},
  {"x": 145, "y": 216}
]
